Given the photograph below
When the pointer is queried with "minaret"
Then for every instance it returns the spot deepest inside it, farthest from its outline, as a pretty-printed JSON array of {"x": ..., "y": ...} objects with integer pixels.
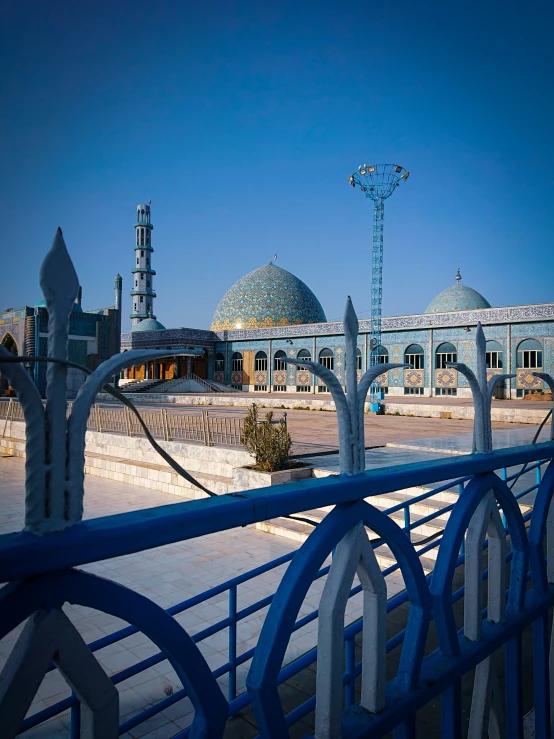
[
  {"x": 143, "y": 275},
  {"x": 118, "y": 287}
]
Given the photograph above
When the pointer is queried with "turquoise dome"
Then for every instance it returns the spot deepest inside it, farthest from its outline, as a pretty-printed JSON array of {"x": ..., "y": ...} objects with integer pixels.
[
  {"x": 456, "y": 298},
  {"x": 149, "y": 324},
  {"x": 268, "y": 296},
  {"x": 42, "y": 304}
]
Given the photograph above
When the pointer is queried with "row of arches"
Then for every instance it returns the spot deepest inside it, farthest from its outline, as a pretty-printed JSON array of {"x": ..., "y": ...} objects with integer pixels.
[{"x": 528, "y": 355}]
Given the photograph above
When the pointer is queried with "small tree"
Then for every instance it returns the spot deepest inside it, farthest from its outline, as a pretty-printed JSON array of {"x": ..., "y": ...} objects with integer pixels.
[{"x": 269, "y": 442}]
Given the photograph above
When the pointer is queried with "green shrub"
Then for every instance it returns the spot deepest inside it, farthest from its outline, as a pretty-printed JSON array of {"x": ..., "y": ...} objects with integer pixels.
[{"x": 269, "y": 442}]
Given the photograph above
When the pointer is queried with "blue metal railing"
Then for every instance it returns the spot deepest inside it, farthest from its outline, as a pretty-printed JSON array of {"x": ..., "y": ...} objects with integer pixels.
[{"x": 238, "y": 702}]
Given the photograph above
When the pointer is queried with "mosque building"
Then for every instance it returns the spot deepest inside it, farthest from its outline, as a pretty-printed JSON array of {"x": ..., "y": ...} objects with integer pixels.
[{"x": 270, "y": 314}]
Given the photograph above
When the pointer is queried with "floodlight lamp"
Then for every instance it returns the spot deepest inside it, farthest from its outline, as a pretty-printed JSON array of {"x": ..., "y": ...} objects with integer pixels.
[
  {"x": 362, "y": 171},
  {"x": 371, "y": 169},
  {"x": 397, "y": 168},
  {"x": 406, "y": 175}
]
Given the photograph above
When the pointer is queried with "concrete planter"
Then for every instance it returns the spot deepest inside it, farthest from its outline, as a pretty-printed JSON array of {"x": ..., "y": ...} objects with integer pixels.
[{"x": 245, "y": 479}]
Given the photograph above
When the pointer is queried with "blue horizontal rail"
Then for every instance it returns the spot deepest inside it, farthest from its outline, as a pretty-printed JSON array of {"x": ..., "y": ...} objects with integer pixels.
[{"x": 25, "y": 555}]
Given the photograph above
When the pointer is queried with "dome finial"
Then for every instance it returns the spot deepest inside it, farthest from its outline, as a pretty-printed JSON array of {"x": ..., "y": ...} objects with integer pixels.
[
  {"x": 458, "y": 276},
  {"x": 271, "y": 261}
]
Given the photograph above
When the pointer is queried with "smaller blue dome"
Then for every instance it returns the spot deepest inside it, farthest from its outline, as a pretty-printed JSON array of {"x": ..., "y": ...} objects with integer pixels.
[
  {"x": 456, "y": 298},
  {"x": 149, "y": 324},
  {"x": 42, "y": 304}
]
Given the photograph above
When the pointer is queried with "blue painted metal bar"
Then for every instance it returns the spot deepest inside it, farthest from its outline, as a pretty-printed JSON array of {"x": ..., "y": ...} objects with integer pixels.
[
  {"x": 514, "y": 699},
  {"x": 24, "y": 555},
  {"x": 407, "y": 520},
  {"x": 232, "y": 692},
  {"x": 451, "y": 711},
  {"x": 75, "y": 728},
  {"x": 541, "y": 677}
]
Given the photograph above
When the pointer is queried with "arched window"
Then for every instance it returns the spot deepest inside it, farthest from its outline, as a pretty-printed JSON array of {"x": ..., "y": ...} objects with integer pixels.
[
  {"x": 445, "y": 353},
  {"x": 327, "y": 359},
  {"x": 219, "y": 362},
  {"x": 304, "y": 354},
  {"x": 358, "y": 359},
  {"x": 147, "y": 236},
  {"x": 414, "y": 355},
  {"x": 138, "y": 236},
  {"x": 494, "y": 355},
  {"x": 380, "y": 354},
  {"x": 278, "y": 363},
  {"x": 260, "y": 362},
  {"x": 529, "y": 354},
  {"x": 236, "y": 362}
]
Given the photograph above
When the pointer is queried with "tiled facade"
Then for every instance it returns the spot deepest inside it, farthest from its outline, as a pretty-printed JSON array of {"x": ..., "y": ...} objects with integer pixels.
[{"x": 507, "y": 326}]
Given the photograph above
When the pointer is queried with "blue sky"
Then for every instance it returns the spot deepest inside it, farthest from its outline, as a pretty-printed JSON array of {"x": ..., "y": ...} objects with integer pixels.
[{"x": 242, "y": 122}]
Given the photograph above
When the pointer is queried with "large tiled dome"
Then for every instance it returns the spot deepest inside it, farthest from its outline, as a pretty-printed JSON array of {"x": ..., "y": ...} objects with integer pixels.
[
  {"x": 268, "y": 296},
  {"x": 456, "y": 298}
]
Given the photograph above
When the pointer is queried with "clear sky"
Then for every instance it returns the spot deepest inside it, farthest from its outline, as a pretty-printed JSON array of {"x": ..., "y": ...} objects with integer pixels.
[{"x": 242, "y": 121}]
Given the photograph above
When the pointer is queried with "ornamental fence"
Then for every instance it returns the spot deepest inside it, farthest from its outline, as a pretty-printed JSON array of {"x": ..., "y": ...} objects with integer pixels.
[{"x": 492, "y": 581}]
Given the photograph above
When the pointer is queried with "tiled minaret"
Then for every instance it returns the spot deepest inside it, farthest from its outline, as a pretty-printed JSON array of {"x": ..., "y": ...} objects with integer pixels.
[{"x": 143, "y": 275}]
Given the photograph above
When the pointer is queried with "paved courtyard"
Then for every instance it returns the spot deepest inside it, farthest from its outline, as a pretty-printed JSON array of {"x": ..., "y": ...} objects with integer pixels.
[
  {"x": 315, "y": 431},
  {"x": 167, "y": 575}
]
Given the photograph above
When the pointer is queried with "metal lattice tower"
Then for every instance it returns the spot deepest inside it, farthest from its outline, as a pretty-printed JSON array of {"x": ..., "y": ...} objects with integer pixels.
[{"x": 378, "y": 182}]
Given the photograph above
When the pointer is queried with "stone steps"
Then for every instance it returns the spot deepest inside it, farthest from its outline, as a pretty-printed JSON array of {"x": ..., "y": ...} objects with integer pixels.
[
  {"x": 154, "y": 476},
  {"x": 419, "y": 535}
]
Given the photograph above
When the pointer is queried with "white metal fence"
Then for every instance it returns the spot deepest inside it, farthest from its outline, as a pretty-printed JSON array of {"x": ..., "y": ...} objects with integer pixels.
[{"x": 163, "y": 423}]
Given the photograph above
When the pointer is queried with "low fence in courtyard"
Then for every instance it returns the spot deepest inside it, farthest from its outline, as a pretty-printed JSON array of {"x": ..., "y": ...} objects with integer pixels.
[{"x": 167, "y": 424}]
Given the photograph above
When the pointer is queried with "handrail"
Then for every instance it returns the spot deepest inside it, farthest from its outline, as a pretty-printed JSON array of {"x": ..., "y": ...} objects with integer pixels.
[{"x": 123, "y": 533}]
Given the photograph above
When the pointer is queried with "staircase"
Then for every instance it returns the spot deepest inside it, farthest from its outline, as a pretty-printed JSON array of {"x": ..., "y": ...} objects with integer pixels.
[
  {"x": 420, "y": 535},
  {"x": 140, "y": 386},
  {"x": 192, "y": 384}
]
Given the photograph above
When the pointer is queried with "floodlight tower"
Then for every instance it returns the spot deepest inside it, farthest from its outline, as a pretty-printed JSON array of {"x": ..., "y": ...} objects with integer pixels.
[{"x": 378, "y": 182}]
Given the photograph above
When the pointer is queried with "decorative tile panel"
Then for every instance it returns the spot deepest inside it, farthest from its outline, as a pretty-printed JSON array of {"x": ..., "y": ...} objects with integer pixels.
[
  {"x": 492, "y": 372},
  {"x": 413, "y": 378},
  {"x": 260, "y": 378},
  {"x": 280, "y": 377},
  {"x": 236, "y": 378},
  {"x": 526, "y": 381},
  {"x": 303, "y": 378},
  {"x": 219, "y": 377},
  {"x": 446, "y": 378}
]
